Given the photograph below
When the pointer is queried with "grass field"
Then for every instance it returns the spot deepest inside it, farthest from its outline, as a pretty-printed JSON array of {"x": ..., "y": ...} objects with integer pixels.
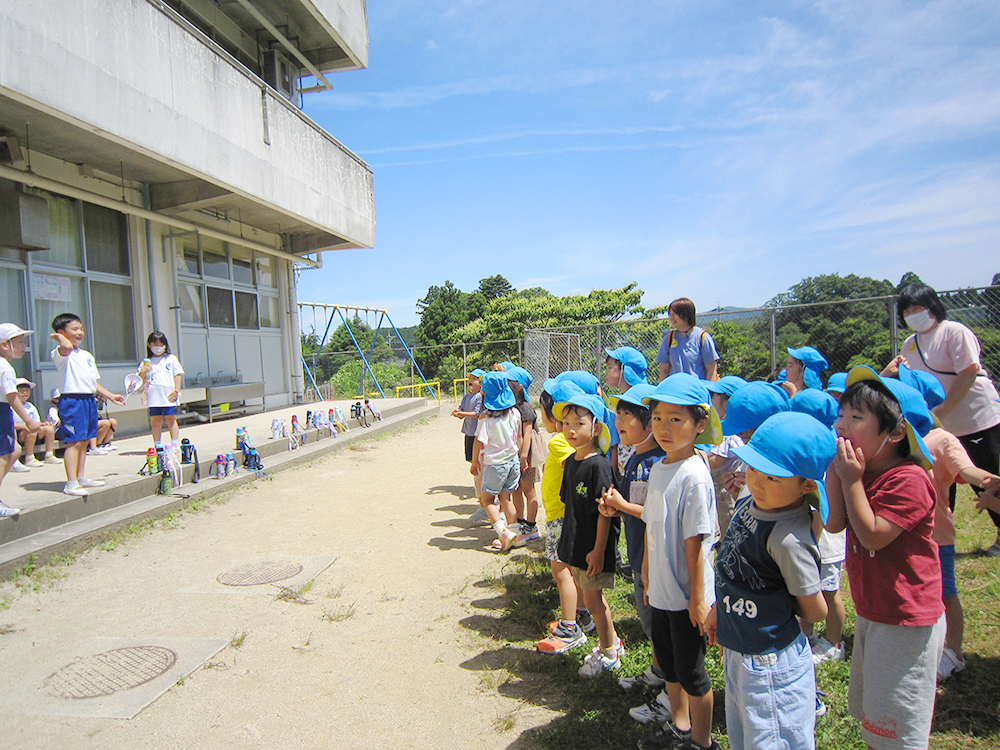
[{"x": 595, "y": 712}]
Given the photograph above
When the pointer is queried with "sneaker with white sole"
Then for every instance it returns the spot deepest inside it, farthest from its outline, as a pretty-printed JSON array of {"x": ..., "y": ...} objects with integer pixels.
[
  {"x": 658, "y": 710},
  {"x": 6, "y": 511},
  {"x": 665, "y": 737},
  {"x": 52, "y": 460},
  {"x": 646, "y": 679},
  {"x": 950, "y": 665},
  {"x": 84, "y": 482},
  {"x": 97, "y": 451},
  {"x": 820, "y": 705},
  {"x": 562, "y": 639},
  {"x": 994, "y": 550},
  {"x": 826, "y": 651},
  {"x": 18, "y": 468},
  {"x": 74, "y": 489},
  {"x": 32, "y": 462},
  {"x": 108, "y": 447},
  {"x": 530, "y": 532},
  {"x": 480, "y": 516},
  {"x": 597, "y": 662},
  {"x": 505, "y": 540}
]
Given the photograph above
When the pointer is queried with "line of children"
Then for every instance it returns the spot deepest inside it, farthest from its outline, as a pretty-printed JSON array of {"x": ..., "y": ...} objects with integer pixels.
[{"x": 531, "y": 452}]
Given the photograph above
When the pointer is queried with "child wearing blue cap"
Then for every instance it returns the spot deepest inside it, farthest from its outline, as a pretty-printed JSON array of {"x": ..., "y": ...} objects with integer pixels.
[
  {"x": 721, "y": 459},
  {"x": 634, "y": 431},
  {"x": 681, "y": 530},
  {"x": 574, "y": 620},
  {"x": 882, "y": 494},
  {"x": 803, "y": 369},
  {"x": 495, "y": 455},
  {"x": 623, "y": 367},
  {"x": 746, "y": 410},
  {"x": 836, "y": 385},
  {"x": 589, "y": 539},
  {"x": 468, "y": 411},
  {"x": 767, "y": 572},
  {"x": 532, "y": 455}
]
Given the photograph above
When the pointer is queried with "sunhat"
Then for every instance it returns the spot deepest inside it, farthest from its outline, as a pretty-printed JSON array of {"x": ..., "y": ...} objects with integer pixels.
[
  {"x": 818, "y": 404},
  {"x": 588, "y": 383},
  {"x": 497, "y": 394},
  {"x": 519, "y": 375},
  {"x": 726, "y": 386},
  {"x": 837, "y": 383},
  {"x": 810, "y": 357},
  {"x": 684, "y": 389},
  {"x": 633, "y": 395},
  {"x": 792, "y": 444},
  {"x": 751, "y": 405},
  {"x": 560, "y": 390},
  {"x": 634, "y": 365},
  {"x": 23, "y": 381},
  {"x": 928, "y": 385},
  {"x": 596, "y": 407},
  {"x": 915, "y": 413},
  {"x": 10, "y": 331},
  {"x": 478, "y": 373}
]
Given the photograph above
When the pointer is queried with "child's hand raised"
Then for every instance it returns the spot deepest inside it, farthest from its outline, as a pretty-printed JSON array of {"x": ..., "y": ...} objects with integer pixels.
[{"x": 850, "y": 461}]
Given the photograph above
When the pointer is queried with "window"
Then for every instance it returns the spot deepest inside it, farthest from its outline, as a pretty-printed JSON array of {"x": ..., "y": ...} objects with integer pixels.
[
  {"x": 220, "y": 307},
  {"x": 189, "y": 259},
  {"x": 268, "y": 312},
  {"x": 214, "y": 262},
  {"x": 192, "y": 309},
  {"x": 265, "y": 272},
  {"x": 53, "y": 296},
  {"x": 242, "y": 265},
  {"x": 113, "y": 337},
  {"x": 64, "y": 232},
  {"x": 105, "y": 233}
]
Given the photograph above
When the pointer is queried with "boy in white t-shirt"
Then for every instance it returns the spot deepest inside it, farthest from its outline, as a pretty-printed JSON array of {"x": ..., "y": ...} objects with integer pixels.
[
  {"x": 11, "y": 347},
  {"x": 78, "y": 385},
  {"x": 45, "y": 430}
]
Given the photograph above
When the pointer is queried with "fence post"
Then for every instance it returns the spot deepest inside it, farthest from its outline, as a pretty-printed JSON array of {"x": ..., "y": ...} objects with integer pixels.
[
  {"x": 598, "y": 348},
  {"x": 465, "y": 366},
  {"x": 520, "y": 354},
  {"x": 774, "y": 342},
  {"x": 894, "y": 327}
]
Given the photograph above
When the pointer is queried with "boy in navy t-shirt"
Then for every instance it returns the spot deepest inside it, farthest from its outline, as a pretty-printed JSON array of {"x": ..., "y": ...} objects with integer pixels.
[{"x": 766, "y": 573}]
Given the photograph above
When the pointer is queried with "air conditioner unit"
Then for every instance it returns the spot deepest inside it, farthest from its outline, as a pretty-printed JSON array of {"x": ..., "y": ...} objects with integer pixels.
[
  {"x": 24, "y": 219},
  {"x": 281, "y": 74}
]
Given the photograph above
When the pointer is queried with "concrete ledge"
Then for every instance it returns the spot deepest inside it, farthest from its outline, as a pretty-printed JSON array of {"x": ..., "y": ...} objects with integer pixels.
[{"x": 80, "y": 523}]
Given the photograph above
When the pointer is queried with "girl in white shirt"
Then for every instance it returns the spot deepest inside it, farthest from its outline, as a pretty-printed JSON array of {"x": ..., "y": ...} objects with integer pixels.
[{"x": 161, "y": 374}]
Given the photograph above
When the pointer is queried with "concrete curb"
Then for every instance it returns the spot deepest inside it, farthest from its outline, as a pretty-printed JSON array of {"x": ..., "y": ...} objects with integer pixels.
[{"x": 134, "y": 502}]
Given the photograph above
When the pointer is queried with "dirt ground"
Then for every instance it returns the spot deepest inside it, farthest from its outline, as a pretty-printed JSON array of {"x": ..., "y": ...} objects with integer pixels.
[{"x": 387, "y": 653}]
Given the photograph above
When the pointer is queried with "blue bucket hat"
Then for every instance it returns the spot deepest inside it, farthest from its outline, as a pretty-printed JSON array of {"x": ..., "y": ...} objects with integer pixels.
[
  {"x": 818, "y": 404},
  {"x": 928, "y": 385},
  {"x": 507, "y": 364},
  {"x": 478, "y": 373},
  {"x": 837, "y": 383},
  {"x": 811, "y": 358},
  {"x": 634, "y": 395},
  {"x": 588, "y": 383},
  {"x": 497, "y": 394},
  {"x": 792, "y": 444},
  {"x": 751, "y": 405},
  {"x": 726, "y": 386},
  {"x": 560, "y": 390},
  {"x": 911, "y": 402},
  {"x": 684, "y": 389},
  {"x": 634, "y": 364},
  {"x": 521, "y": 376},
  {"x": 596, "y": 407}
]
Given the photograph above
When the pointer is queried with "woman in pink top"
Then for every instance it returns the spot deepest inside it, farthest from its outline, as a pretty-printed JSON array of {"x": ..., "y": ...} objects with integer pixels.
[{"x": 950, "y": 351}]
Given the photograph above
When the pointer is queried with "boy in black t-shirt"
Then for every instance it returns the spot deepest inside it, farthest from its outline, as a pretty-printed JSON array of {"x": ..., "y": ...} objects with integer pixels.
[{"x": 589, "y": 539}]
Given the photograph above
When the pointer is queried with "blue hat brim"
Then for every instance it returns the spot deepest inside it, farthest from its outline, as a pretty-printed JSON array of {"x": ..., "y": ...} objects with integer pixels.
[
  {"x": 759, "y": 462},
  {"x": 711, "y": 435},
  {"x": 581, "y": 399}
]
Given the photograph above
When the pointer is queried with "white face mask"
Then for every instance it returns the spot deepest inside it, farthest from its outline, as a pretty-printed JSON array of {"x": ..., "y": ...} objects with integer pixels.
[
  {"x": 157, "y": 350},
  {"x": 920, "y": 322}
]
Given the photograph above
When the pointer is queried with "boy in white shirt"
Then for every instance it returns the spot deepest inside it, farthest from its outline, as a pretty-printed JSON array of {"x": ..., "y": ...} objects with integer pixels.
[
  {"x": 11, "y": 347},
  {"x": 45, "y": 429},
  {"x": 78, "y": 385}
]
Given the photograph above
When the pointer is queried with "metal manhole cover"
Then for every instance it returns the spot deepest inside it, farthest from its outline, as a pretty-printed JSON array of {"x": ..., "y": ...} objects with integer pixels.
[
  {"x": 254, "y": 574},
  {"x": 110, "y": 672}
]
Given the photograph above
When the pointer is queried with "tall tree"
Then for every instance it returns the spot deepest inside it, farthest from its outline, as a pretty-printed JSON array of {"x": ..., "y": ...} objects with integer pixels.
[
  {"x": 494, "y": 286},
  {"x": 443, "y": 310}
]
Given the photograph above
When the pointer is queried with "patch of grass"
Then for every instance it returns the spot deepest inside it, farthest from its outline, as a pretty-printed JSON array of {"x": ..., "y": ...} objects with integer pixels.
[
  {"x": 339, "y": 614},
  {"x": 335, "y": 593},
  {"x": 237, "y": 640},
  {"x": 307, "y": 585},
  {"x": 287, "y": 594}
]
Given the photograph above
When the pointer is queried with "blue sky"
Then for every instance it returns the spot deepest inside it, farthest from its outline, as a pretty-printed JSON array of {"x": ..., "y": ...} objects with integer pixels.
[{"x": 717, "y": 150}]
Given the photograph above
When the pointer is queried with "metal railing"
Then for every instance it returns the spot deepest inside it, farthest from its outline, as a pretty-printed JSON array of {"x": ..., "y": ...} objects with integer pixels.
[{"x": 429, "y": 386}]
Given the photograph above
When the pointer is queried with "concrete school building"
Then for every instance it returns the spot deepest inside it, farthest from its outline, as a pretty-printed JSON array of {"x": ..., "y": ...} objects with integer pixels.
[{"x": 157, "y": 173}]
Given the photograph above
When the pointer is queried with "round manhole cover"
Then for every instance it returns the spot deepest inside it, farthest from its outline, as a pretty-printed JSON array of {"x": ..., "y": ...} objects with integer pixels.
[
  {"x": 254, "y": 574},
  {"x": 110, "y": 672}
]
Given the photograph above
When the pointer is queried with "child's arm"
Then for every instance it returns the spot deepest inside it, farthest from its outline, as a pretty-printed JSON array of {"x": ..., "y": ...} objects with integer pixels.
[
  {"x": 463, "y": 414},
  {"x": 988, "y": 499},
  {"x": 524, "y": 444},
  {"x": 874, "y": 532},
  {"x": 65, "y": 347},
  {"x": 812, "y": 608},
  {"x": 101, "y": 390},
  {"x": 645, "y": 570},
  {"x": 697, "y": 607},
  {"x": 18, "y": 407},
  {"x": 595, "y": 558},
  {"x": 611, "y": 504},
  {"x": 978, "y": 478},
  {"x": 176, "y": 392},
  {"x": 477, "y": 449},
  {"x": 712, "y": 627},
  {"x": 837, "y": 520}
]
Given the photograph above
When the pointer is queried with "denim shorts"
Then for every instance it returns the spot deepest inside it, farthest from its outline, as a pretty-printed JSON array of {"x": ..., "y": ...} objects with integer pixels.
[
  {"x": 162, "y": 411},
  {"x": 948, "y": 586},
  {"x": 771, "y": 698},
  {"x": 503, "y": 477}
]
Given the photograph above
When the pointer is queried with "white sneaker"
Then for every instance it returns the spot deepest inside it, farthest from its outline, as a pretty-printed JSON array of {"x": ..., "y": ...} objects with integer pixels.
[
  {"x": 597, "y": 662},
  {"x": 951, "y": 664},
  {"x": 74, "y": 489},
  {"x": 6, "y": 511},
  {"x": 480, "y": 516},
  {"x": 994, "y": 551},
  {"x": 99, "y": 451},
  {"x": 108, "y": 447},
  {"x": 826, "y": 651},
  {"x": 646, "y": 679},
  {"x": 32, "y": 462},
  {"x": 658, "y": 710},
  {"x": 52, "y": 460},
  {"x": 18, "y": 468},
  {"x": 84, "y": 482}
]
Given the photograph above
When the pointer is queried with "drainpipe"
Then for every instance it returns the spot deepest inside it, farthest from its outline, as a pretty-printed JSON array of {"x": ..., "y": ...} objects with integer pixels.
[
  {"x": 150, "y": 258},
  {"x": 295, "y": 361}
]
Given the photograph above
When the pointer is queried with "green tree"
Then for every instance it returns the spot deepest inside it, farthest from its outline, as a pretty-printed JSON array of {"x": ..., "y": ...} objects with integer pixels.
[
  {"x": 908, "y": 278},
  {"x": 443, "y": 310},
  {"x": 494, "y": 286}
]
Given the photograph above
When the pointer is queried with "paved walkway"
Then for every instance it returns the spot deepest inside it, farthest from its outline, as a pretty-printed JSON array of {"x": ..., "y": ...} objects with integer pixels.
[{"x": 385, "y": 650}]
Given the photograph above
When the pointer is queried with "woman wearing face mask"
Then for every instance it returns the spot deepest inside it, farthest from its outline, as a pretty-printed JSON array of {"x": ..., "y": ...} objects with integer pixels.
[
  {"x": 161, "y": 375},
  {"x": 950, "y": 351}
]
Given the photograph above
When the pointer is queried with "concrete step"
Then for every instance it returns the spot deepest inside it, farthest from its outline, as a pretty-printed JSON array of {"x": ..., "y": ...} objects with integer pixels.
[{"x": 60, "y": 524}]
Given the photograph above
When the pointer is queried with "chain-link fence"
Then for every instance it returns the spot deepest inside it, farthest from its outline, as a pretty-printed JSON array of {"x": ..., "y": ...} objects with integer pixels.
[{"x": 752, "y": 343}]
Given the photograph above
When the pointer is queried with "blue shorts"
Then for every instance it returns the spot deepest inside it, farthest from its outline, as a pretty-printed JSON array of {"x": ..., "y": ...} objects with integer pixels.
[
  {"x": 946, "y": 552},
  {"x": 771, "y": 698},
  {"x": 8, "y": 437},
  {"x": 504, "y": 477},
  {"x": 162, "y": 411},
  {"x": 77, "y": 417}
]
